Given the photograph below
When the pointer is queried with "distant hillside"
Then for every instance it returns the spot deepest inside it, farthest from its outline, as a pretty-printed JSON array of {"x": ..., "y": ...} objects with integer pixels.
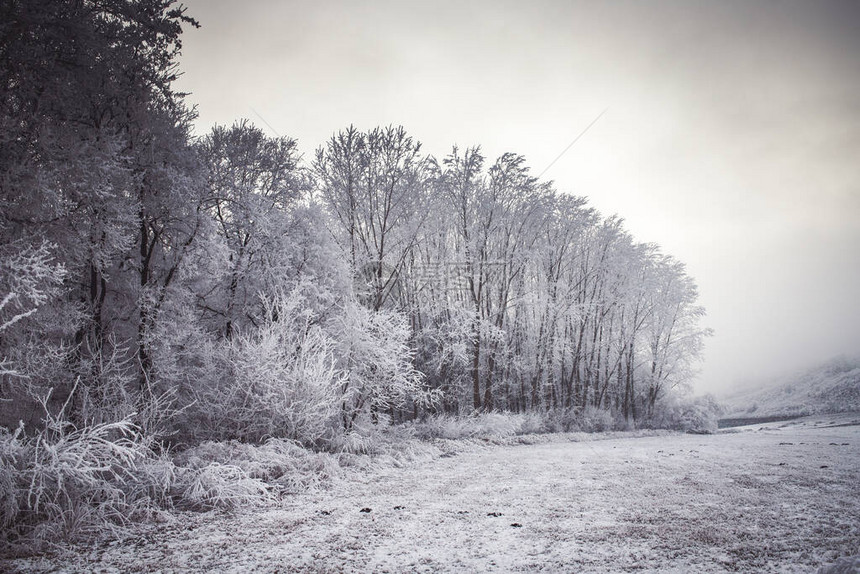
[{"x": 832, "y": 387}]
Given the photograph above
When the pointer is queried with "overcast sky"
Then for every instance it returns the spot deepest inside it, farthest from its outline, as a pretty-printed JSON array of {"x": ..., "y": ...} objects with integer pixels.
[{"x": 732, "y": 136}]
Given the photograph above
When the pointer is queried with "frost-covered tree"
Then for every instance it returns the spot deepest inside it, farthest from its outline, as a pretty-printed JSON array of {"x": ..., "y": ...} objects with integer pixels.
[
  {"x": 672, "y": 334},
  {"x": 94, "y": 143},
  {"x": 376, "y": 362},
  {"x": 255, "y": 184},
  {"x": 30, "y": 278},
  {"x": 375, "y": 186},
  {"x": 493, "y": 220},
  {"x": 138, "y": 262},
  {"x": 523, "y": 298}
]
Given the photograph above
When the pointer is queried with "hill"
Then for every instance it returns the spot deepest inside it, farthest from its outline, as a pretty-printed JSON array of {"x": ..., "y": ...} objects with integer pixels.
[{"x": 831, "y": 387}]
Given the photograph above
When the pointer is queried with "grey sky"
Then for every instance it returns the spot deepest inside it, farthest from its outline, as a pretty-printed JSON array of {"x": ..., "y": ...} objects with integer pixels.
[{"x": 732, "y": 137}]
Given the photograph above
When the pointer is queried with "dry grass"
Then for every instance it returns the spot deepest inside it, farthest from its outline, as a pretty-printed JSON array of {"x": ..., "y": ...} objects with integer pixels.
[
  {"x": 776, "y": 500},
  {"x": 66, "y": 483}
]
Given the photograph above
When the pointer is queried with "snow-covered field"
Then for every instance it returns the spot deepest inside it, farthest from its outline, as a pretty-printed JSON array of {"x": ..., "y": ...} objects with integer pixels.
[{"x": 781, "y": 497}]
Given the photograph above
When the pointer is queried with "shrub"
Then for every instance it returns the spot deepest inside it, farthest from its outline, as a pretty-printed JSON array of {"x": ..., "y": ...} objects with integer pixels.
[
  {"x": 66, "y": 482},
  {"x": 593, "y": 419},
  {"x": 490, "y": 426},
  {"x": 532, "y": 423},
  {"x": 375, "y": 360},
  {"x": 219, "y": 485},
  {"x": 282, "y": 463},
  {"x": 688, "y": 414},
  {"x": 278, "y": 380}
]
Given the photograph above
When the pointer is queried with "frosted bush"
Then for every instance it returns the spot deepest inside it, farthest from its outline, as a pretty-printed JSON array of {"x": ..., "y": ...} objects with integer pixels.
[
  {"x": 280, "y": 380},
  {"x": 376, "y": 363},
  {"x": 278, "y": 462},
  {"x": 219, "y": 485},
  {"x": 66, "y": 482},
  {"x": 13, "y": 454},
  {"x": 531, "y": 423},
  {"x": 593, "y": 419},
  {"x": 689, "y": 414},
  {"x": 560, "y": 420},
  {"x": 495, "y": 425},
  {"x": 491, "y": 426}
]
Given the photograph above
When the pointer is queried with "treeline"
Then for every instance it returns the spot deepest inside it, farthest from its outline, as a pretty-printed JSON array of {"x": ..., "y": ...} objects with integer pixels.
[
  {"x": 222, "y": 287},
  {"x": 519, "y": 297}
]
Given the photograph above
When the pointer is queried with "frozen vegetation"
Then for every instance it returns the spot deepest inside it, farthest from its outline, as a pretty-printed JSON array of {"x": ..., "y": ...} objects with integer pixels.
[
  {"x": 832, "y": 387},
  {"x": 217, "y": 355},
  {"x": 782, "y": 497},
  {"x": 195, "y": 321}
]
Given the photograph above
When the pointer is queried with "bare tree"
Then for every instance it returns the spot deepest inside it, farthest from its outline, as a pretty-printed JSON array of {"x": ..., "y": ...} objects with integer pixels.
[{"x": 375, "y": 184}]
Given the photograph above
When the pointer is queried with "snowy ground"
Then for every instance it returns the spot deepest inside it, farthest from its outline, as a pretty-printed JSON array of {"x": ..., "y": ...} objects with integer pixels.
[{"x": 781, "y": 497}]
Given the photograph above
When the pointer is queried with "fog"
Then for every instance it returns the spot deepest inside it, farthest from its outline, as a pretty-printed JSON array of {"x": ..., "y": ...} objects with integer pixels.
[{"x": 731, "y": 136}]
